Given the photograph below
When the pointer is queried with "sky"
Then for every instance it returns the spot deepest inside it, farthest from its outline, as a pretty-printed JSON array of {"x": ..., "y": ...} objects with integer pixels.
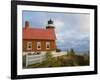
[{"x": 72, "y": 29}]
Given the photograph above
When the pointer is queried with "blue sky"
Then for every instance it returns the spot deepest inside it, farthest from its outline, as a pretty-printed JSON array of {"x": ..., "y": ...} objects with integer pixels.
[{"x": 72, "y": 29}]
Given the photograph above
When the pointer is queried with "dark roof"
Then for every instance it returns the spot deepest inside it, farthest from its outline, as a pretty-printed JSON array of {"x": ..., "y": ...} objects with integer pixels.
[{"x": 50, "y": 22}]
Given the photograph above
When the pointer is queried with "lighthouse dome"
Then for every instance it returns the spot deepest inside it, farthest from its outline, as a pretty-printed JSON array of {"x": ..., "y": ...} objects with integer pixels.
[{"x": 50, "y": 24}]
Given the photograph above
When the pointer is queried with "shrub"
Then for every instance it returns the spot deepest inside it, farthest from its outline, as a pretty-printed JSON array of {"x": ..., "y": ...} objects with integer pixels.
[
  {"x": 71, "y": 52},
  {"x": 58, "y": 50},
  {"x": 48, "y": 56}
]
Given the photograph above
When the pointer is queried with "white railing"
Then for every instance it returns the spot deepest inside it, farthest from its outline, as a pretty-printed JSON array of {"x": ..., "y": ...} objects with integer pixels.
[
  {"x": 32, "y": 59},
  {"x": 55, "y": 54}
]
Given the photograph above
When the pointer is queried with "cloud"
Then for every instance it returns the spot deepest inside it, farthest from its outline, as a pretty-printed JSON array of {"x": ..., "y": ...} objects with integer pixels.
[
  {"x": 59, "y": 25},
  {"x": 72, "y": 35},
  {"x": 72, "y": 30},
  {"x": 84, "y": 22},
  {"x": 79, "y": 22},
  {"x": 72, "y": 39}
]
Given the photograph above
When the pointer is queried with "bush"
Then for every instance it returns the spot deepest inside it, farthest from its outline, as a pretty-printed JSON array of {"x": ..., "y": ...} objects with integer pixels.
[
  {"x": 48, "y": 56},
  {"x": 71, "y": 52},
  {"x": 58, "y": 50}
]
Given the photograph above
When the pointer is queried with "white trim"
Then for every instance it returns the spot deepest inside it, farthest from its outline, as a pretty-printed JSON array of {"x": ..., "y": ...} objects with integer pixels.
[
  {"x": 38, "y": 44},
  {"x": 50, "y": 25},
  {"x": 29, "y": 43},
  {"x": 21, "y": 71},
  {"x": 47, "y": 43}
]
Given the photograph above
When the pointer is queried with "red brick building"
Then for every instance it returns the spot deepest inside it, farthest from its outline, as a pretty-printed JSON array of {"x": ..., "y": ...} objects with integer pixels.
[{"x": 39, "y": 39}]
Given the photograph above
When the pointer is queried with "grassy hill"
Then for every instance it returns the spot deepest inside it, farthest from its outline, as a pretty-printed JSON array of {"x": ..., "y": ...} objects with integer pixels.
[{"x": 71, "y": 59}]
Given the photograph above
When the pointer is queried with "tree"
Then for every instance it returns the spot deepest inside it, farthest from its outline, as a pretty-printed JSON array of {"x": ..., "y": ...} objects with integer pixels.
[{"x": 71, "y": 52}]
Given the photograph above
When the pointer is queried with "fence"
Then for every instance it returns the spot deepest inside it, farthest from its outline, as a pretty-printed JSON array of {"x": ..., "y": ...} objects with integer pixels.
[
  {"x": 55, "y": 54},
  {"x": 32, "y": 59}
]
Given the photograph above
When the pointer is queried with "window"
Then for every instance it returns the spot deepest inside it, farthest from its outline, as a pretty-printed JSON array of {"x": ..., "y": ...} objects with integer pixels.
[
  {"x": 38, "y": 45},
  {"x": 47, "y": 45},
  {"x": 29, "y": 45}
]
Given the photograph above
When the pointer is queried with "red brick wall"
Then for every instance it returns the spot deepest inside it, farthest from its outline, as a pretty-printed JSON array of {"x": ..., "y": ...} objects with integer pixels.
[{"x": 43, "y": 45}]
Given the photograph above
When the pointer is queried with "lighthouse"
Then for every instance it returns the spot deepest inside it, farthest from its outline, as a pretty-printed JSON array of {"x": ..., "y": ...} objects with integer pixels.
[{"x": 50, "y": 25}]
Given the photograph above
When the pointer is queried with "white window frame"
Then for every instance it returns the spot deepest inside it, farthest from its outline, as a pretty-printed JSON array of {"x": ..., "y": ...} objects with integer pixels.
[
  {"x": 38, "y": 44},
  {"x": 47, "y": 43},
  {"x": 29, "y": 44}
]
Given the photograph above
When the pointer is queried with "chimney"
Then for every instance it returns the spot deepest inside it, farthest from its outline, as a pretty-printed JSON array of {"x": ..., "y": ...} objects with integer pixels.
[{"x": 27, "y": 24}]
